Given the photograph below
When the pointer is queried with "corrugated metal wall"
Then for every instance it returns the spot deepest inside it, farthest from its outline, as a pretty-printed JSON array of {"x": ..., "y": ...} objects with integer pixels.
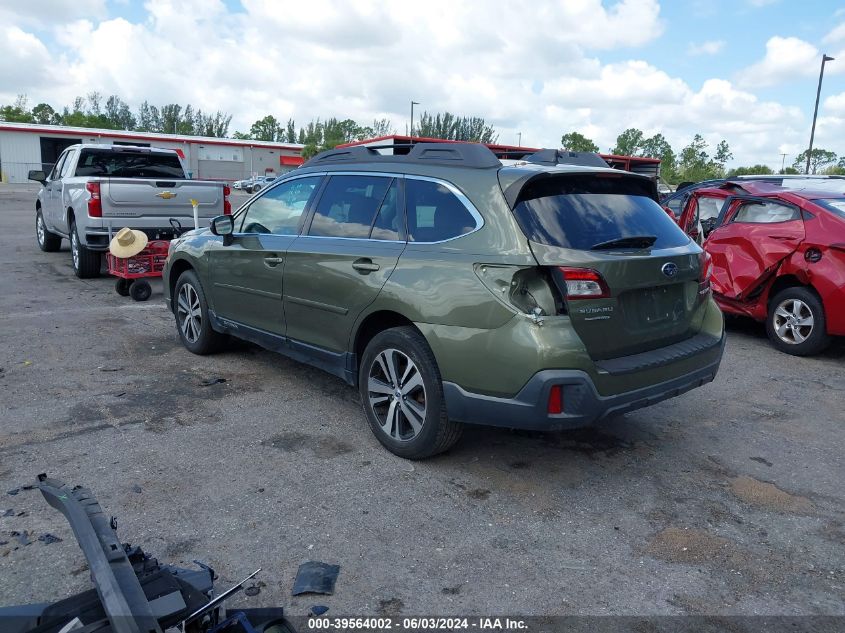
[{"x": 19, "y": 152}]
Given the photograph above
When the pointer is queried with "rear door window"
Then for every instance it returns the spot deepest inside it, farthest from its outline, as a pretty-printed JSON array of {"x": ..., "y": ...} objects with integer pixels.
[
  {"x": 280, "y": 210},
  {"x": 585, "y": 212},
  {"x": 758, "y": 212},
  {"x": 348, "y": 206},
  {"x": 435, "y": 213}
]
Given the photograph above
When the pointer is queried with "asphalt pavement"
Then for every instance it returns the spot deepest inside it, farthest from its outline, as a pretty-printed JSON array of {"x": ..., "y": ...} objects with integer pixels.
[{"x": 726, "y": 500}]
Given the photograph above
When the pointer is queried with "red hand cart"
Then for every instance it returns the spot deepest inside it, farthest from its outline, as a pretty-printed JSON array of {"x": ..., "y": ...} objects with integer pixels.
[{"x": 132, "y": 272}]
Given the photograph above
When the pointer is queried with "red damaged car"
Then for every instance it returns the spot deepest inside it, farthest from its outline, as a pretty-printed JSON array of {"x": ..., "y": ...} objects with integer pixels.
[{"x": 778, "y": 256}]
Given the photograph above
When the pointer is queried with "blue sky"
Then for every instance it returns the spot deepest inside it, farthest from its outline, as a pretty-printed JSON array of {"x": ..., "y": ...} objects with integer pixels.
[{"x": 742, "y": 70}]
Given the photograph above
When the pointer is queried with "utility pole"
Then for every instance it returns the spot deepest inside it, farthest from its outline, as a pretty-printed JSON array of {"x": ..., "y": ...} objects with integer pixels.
[
  {"x": 825, "y": 58},
  {"x": 519, "y": 142},
  {"x": 413, "y": 103},
  {"x": 782, "y": 161}
]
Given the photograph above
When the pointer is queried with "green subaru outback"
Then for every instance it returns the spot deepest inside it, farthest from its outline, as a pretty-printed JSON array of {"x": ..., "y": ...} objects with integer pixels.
[{"x": 451, "y": 288}]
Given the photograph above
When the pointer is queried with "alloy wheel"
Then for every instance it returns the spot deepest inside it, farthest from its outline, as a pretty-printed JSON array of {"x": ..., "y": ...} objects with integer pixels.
[
  {"x": 189, "y": 313},
  {"x": 793, "y": 321},
  {"x": 39, "y": 229},
  {"x": 396, "y": 395},
  {"x": 74, "y": 248}
]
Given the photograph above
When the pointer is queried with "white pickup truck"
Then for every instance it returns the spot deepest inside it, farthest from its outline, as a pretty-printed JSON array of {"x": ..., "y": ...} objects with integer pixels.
[{"x": 95, "y": 190}]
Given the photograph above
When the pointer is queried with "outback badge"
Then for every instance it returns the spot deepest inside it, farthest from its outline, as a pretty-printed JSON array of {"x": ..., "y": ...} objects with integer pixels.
[{"x": 670, "y": 269}]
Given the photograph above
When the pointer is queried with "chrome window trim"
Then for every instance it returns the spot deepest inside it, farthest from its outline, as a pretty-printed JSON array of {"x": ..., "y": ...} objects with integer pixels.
[{"x": 479, "y": 219}]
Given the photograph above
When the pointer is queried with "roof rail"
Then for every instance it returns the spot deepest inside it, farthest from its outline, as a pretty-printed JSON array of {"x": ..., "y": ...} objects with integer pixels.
[
  {"x": 565, "y": 157},
  {"x": 472, "y": 155}
]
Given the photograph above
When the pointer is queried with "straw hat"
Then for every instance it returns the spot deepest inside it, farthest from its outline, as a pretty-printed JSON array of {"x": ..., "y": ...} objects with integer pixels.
[{"x": 127, "y": 243}]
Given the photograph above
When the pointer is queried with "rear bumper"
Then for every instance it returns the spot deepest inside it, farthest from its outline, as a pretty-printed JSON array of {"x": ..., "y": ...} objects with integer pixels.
[{"x": 582, "y": 403}]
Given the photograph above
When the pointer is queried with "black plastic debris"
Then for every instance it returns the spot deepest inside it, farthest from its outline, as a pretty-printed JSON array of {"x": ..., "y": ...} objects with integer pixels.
[
  {"x": 48, "y": 538},
  {"x": 8, "y": 513},
  {"x": 107, "y": 368},
  {"x": 318, "y": 609},
  {"x": 13, "y": 491},
  {"x": 136, "y": 488},
  {"x": 23, "y": 537},
  {"x": 212, "y": 381},
  {"x": 252, "y": 590},
  {"x": 22, "y": 513},
  {"x": 4, "y": 542},
  {"x": 315, "y": 577}
]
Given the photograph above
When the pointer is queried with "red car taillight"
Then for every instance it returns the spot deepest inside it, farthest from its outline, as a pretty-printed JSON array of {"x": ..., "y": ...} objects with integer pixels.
[
  {"x": 584, "y": 283},
  {"x": 95, "y": 205},
  {"x": 227, "y": 206}
]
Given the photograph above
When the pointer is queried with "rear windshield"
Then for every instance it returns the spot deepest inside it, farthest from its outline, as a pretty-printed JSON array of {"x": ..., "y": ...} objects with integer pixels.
[
  {"x": 583, "y": 212},
  {"x": 837, "y": 205},
  {"x": 123, "y": 164}
]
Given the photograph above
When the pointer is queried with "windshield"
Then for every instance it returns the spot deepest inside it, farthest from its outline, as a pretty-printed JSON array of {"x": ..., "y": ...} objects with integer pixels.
[
  {"x": 129, "y": 164},
  {"x": 836, "y": 205},
  {"x": 587, "y": 212}
]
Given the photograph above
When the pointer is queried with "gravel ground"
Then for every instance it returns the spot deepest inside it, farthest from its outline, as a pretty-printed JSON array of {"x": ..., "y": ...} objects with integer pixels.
[{"x": 726, "y": 500}]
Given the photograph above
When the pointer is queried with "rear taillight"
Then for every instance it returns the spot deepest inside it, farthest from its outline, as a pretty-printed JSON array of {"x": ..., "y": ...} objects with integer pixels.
[
  {"x": 227, "y": 206},
  {"x": 584, "y": 283},
  {"x": 555, "y": 406},
  {"x": 705, "y": 263},
  {"x": 95, "y": 205}
]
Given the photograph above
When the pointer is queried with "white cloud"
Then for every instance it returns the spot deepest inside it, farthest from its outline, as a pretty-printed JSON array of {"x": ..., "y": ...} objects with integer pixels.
[
  {"x": 536, "y": 71},
  {"x": 711, "y": 47},
  {"x": 836, "y": 35},
  {"x": 786, "y": 58},
  {"x": 761, "y": 3}
]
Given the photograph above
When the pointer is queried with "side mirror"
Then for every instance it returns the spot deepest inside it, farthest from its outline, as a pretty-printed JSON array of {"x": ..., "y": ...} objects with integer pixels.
[
  {"x": 224, "y": 226},
  {"x": 37, "y": 175}
]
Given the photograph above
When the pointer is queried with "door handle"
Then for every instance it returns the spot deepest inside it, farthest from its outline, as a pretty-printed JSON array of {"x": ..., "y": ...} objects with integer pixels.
[
  {"x": 365, "y": 266},
  {"x": 272, "y": 262}
]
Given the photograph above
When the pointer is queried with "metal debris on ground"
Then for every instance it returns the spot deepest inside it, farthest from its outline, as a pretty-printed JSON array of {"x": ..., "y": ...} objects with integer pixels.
[{"x": 315, "y": 577}]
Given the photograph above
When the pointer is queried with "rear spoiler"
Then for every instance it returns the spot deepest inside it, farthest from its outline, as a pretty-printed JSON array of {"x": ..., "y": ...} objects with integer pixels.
[{"x": 512, "y": 189}]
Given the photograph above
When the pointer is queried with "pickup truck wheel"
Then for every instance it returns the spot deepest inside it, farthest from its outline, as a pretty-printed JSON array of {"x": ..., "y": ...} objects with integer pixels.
[
  {"x": 402, "y": 394},
  {"x": 796, "y": 322},
  {"x": 192, "y": 320},
  {"x": 86, "y": 263},
  {"x": 47, "y": 241},
  {"x": 256, "y": 189}
]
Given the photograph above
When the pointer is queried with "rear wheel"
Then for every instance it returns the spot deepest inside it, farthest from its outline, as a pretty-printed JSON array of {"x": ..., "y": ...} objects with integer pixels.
[
  {"x": 86, "y": 263},
  {"x": 192, "y": 320},
  {"x": 121, "y": 287},
  {"x": 140, "y": 290},
  {"x": 47, "y": 241},
  {"x": 256, "y": 189},
  {"x": 402, "y": 394},
  {"x": 796, "y": 322}
]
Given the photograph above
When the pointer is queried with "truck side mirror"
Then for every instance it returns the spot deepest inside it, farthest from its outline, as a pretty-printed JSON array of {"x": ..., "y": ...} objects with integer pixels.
[{"x": 37, "y": 175}]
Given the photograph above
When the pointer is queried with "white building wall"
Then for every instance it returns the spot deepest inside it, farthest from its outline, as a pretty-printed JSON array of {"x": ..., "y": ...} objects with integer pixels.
[{"x": 19, "y": 152}]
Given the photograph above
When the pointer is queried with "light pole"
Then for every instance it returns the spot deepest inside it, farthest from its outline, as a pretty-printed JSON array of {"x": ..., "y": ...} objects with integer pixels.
[
  {"x": 519, "y": 142},
  {"x": 782, "y": 161},
  {"x": 825, "y": 59},
  {"x": 413, "y": 103}
]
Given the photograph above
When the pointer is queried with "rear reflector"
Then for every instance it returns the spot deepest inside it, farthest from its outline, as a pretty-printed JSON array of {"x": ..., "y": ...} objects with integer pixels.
[
  {"x": 95, "y": 205},
  {"x": 705, "y": 272},
  {"x": 555, "y": 400},
  {"x": 584, "y": 283},
  {"x": 227, "y": 206}
]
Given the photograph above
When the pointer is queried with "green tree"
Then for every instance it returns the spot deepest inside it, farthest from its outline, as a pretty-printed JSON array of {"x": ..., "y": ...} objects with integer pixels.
[
  {"x": 266, "y": 129},
  {"x": 694, "y": 163},
  {"x": 754, "y": 170},
  {"x": 577, "y": 142},
  {"x": 119, "y": 115},
  {"x": 17, "y": 112},
  {"x": 45, "y": 114},
  {"x": 450, "y": 127},
  {"x": 629, "y": 143},
  {"x": 819, "y": 159},
  {"x": 290, "y": 132}
]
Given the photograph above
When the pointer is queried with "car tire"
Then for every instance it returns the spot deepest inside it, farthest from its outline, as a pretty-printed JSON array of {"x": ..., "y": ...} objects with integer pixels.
[
  {"x": 47, "y": 241},
  {"x": 796, "y": 322},
  {"x": 86, "y": 263},
  {"x": 256, "y": 189},
  {"x": 192, "y": 321},
  {"x": 410, "y": 422},
  {"x": 121, "y": 286},
  {"x": 140, "y": 290}
]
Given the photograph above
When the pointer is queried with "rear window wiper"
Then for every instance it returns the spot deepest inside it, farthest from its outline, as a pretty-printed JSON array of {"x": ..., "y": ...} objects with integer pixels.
[{"x": 633, "y": 241}]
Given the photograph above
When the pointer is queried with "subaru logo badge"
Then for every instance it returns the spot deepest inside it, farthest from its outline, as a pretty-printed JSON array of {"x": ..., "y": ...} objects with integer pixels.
[{"x": 670, "y": 269}]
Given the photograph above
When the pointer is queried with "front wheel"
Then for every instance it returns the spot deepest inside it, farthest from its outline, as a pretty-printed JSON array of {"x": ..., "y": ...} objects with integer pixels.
[
  {"x": 192, "y": 320},
  {"x": 796, "y": 322},
  {"x": 402, "y": 394},
  {"x": 47, "y": 241},
  {"x": 256, "y": 189},
  {"x": 86, "y": 263}
]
